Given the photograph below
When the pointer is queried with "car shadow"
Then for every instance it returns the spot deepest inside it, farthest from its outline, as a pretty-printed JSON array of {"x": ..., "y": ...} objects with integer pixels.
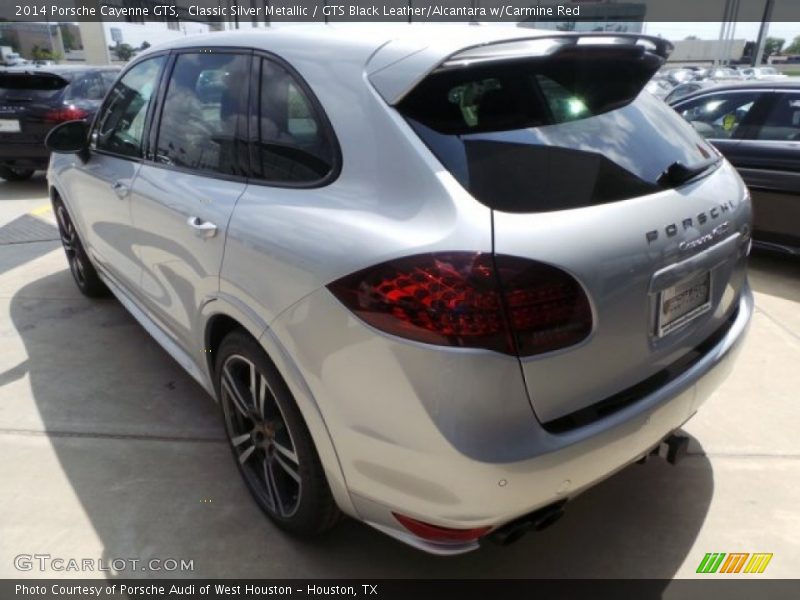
[
  {"x": 23, "y": 190},
  {"x": 141, "y": 445},
  {"x": 775, "y": 274}
]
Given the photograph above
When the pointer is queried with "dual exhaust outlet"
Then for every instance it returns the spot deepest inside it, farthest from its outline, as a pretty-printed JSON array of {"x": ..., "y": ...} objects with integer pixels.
[{"x": 673, "y": 448}]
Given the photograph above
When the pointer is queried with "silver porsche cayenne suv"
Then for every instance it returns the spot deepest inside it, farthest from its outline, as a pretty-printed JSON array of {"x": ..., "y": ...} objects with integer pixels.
[{"x": 440, "y": 279}]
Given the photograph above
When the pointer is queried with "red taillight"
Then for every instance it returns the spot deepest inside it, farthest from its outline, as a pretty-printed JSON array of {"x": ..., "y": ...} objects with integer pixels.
[
  {"x": 502, "y": 303},
  {"x": 66, "y": 113},
  {"x": 434, "y": 533}
]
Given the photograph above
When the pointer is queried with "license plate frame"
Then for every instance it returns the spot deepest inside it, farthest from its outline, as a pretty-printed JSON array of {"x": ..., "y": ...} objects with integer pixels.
[
  {"x": 10, "y": 126},
  {"x": 683, "y": 302}
]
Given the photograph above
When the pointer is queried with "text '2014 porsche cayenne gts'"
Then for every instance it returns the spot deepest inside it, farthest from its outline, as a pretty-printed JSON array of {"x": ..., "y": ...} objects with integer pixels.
[{"x": 440, "y": 279}]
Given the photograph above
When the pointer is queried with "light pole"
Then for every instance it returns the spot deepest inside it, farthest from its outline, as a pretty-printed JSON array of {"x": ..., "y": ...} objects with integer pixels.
[{"x": 762, "y": 33}]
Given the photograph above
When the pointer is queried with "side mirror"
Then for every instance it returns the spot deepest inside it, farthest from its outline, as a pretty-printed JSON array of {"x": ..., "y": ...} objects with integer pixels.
[{"x": 71, "y": 137}]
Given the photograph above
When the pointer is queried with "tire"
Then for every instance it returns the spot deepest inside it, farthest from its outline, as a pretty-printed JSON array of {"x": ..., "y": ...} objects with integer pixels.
[
  {"x": 83, "y": 272},
  {"x": 15, "y": 174},
  {"x": 272, "y": 446}
]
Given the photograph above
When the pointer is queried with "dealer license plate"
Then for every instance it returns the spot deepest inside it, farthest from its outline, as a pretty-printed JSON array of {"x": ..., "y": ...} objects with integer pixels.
[
  {"x": 9, "y": 126},
  {"x": 683, "y": 302}
]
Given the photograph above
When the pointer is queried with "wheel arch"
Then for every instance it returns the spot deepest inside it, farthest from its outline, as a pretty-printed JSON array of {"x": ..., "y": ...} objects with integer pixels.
[{"x": 222, "y": 320}]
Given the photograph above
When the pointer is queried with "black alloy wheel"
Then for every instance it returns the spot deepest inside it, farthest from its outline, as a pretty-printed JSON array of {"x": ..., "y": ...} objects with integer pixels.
[
  {"x": 270, "y": 441},
  {"x": 83, "y": 272}
]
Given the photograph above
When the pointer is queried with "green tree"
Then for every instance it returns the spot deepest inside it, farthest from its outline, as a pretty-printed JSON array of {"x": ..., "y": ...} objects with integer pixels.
[
  {"x": 794, "y": 47},
  {"x": 773, "y": 45},
  {"x": 38, "y": 53},
  {"x": 123, "y": 51},
  {"x": 145, "y": 45}
]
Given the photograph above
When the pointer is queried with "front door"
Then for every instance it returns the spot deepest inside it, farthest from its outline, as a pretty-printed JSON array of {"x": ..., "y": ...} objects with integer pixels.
[
  {"x": 183, "y": 198},
  {"x": 101, "y": 184}
]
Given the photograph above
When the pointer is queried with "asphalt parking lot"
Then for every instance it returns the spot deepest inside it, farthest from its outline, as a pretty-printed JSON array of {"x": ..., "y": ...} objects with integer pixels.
[{"x": 109, "y": 450}]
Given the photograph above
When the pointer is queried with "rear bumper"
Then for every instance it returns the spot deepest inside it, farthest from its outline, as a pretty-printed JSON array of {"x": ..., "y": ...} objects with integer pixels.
[
  {"x": 24, "y": 155},
  {"x": 398, "y": 455}
]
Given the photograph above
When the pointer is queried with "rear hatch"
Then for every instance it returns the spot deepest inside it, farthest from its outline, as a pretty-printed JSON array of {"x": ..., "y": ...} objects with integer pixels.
[
  {"x": 587, "y": 173},
  {"x": 26, "y": 98}
]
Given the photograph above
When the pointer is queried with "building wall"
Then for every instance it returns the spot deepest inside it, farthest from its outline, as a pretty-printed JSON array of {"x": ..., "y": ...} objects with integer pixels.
[
  {"x": 27, "y": 36},
  {"x": 95, "y": 47}
]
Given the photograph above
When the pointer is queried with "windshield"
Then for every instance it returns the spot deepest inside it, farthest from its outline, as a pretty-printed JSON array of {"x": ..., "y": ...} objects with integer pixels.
[{"x": 527, "y": 138}]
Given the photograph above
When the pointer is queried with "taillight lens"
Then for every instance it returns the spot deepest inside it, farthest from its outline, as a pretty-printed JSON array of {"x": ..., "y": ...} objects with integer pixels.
[
  {"x": 434, "y": 533},
  {"x": 503, "y": 303},
  {"x": 66, "y": 113}
]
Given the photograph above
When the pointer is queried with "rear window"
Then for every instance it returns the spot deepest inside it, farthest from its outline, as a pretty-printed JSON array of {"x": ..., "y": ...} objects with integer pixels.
[
  {"x": 27, "y": 87},
  {"x": 550, "y": 134}
]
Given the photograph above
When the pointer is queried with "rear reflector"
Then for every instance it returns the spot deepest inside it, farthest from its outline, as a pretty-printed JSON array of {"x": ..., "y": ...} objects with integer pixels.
[
  {"x": 502, "y": 303},
  {"x": 67, "y": 113},
  {"x": 434, "y": 533}
]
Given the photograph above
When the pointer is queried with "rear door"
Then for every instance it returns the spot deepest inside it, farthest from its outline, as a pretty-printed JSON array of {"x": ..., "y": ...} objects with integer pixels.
[
  {"x": 586, "y": 174},
  {"x": 768, "y": 159},
  {"x": 185, "y": 193}
]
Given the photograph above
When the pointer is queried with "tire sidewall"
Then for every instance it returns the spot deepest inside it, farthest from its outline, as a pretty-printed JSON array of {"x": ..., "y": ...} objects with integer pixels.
[
  {"x": 306, "y": 520},
  {"x": 91, "y": 286}
]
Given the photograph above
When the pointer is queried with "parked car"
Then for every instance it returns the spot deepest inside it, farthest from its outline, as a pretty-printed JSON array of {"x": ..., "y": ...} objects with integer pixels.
[
  {"x": 756, "y": 125},
  {"x": 684, "y": 89},
  {"x": 659, "y": 86},
  {"x": 34, "y": 100},
  {"x": 9, "y": 58},
  {"x": 767, "y": 73},
  {"x": 725, "y": 74},
  {"x": 430, "y": 284},
  {"x": 678, "y": 75}
]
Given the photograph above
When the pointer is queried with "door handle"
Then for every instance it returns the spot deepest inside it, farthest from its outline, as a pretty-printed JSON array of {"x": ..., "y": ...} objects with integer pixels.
[
  {"x": 203, "y": 229},
  {"x": 120, "y": 189}
]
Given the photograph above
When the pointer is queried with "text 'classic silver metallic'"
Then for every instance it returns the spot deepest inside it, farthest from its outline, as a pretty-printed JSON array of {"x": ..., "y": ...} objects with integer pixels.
[{"x": 440, "y": 278}]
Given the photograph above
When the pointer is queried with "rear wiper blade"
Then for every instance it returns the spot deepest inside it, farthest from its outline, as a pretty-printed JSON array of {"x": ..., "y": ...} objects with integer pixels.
[{"x": 678, "y": 173}]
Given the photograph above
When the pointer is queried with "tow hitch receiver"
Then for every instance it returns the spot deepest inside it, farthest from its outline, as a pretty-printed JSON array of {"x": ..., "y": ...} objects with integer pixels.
[
  {"x": 673, "y": 448},
  {"x": 677, "y": 445}
]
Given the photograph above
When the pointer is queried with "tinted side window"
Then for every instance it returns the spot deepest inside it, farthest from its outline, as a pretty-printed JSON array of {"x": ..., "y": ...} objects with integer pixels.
[
  {"x": 718, "y": 116},
  {"x": 109, "y": 77},
  {"x": 783, "y": 121},
  {"x": 200, "y": 122},
  {"x": 120, "y": 127},
  {"x": 87, "y": 87},
  {"x": 292, "y": 144}
]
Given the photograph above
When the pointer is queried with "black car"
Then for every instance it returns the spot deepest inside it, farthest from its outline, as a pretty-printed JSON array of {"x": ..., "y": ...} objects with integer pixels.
[
  {"x": 756, "y": 125},
  {"x": 34, "y": 100}
]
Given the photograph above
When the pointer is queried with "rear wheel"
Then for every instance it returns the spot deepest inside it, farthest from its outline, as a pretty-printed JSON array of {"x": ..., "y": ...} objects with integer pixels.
[
  {"x": 83, "y": 272},
  {"x": 15, "y": 174},
  {"x": 270, "y": 441}
]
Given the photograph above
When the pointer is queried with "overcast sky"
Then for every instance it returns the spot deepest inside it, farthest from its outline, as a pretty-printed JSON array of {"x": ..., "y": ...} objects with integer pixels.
[
  {"x": 709, "y": 31},
  {"x": 135, "y": 34}
]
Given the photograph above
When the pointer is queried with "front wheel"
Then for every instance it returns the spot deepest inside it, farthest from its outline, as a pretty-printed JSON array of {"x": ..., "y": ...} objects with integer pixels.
[
  {"x": 15, "y": 174},
  {"x": 270, "y": 441},
  {"x": 83, "y": 271}
]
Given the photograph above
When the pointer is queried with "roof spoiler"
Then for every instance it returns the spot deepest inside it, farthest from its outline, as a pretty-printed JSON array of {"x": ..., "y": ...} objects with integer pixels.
[
  {"x": 556, "y": 44},
  {"x": 402, "y": 68}
]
